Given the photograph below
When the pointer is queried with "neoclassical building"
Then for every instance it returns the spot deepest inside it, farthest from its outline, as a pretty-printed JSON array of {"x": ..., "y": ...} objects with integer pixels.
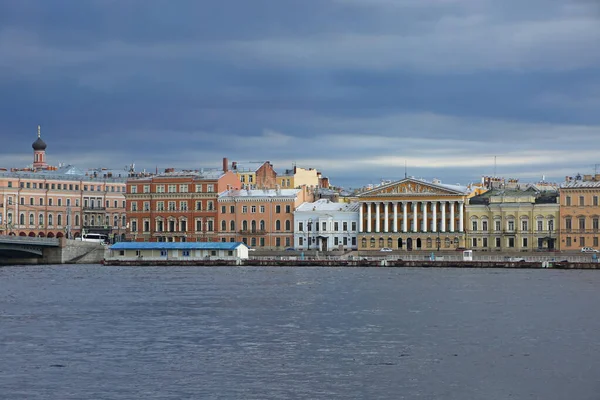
[
  {"x": 325, "y": 225},
  {"x": 513, "y": 219},
  {"x": 412, "y": 214}
]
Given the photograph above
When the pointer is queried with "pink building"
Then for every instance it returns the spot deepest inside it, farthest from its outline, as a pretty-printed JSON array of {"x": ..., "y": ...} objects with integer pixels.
[{"x": 260, "y": 218}]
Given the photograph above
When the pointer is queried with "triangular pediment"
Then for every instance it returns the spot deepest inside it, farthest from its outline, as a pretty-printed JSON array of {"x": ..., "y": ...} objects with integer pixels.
[{"x": 413, "y": 187}]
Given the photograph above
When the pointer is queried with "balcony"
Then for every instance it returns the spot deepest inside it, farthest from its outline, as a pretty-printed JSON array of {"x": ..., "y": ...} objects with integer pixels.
[{"x": 94, "y": 209}]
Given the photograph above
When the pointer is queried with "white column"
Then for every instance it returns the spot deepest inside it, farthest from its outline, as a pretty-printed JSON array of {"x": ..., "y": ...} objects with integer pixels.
[
  {"x": 424, "y": 207},
  {"x": 369, "y": 216},
  {"x": 360, "y": 217},
  {"x": 378, "y": 216},
  {"x": 460, "y": 217},
  {"x": 434, "y": 216},
  {"x": 404, "y": 216},
  {"x": 386, "y": 222},
  {"x": 452, "y": 216},
  {"x": 443, "y": 206},
  {"x": 395, "y": 205},
  {"x": 414, "y": 211}
]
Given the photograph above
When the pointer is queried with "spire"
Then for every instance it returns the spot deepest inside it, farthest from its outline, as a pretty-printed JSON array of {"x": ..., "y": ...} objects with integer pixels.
[{"x": 39, "y": 129}]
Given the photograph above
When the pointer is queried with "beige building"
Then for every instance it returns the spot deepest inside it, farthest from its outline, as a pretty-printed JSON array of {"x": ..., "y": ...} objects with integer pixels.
[
  {"x": 412, "y": 214},
  {"x": 297, "y": 177},
  {"x": 513, "y": 219},
  {"x": 580, "y": 213}
]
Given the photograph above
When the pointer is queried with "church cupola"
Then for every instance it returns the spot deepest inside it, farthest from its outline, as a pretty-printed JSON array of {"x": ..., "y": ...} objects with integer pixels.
[{"x": 39, "y": 152}]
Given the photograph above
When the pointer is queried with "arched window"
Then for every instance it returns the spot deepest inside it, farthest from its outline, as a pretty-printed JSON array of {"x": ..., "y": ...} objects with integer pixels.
[
  {"x": 41, "y": 201},
  {"x": 115, "y": 221},
  {"x": 262, "y": 225},
  {"x": 363, "y": 242},
  {"x": 390, "y": 242},
  {"x": 41, "y": 219},
  {"x": 123, "y": 221},
  {"x": 59, "y": 219},
  {"x": 253, "y": 225},
  {"x": 9, "y": 218},
  {"x": 380, "y": 242},
  {"x": 107, "y": 221},
  {"x": 31, "y": 219},
  {"x": 50, "y": 219},
  {"x": 92, "y": 221},
  {"x": 22, "y": 219},
  {"x": 372, "y": 242},
  {"x": 429, "y": 243},
  {"x": 223, "y": 225},
  {"x": 232, "y": 226},
  {"x": 288, "y": 225},
  {"x": 278, "y": 225},
  {"x": 244, "y": 225},
  {"x": 76, "y": 220}
]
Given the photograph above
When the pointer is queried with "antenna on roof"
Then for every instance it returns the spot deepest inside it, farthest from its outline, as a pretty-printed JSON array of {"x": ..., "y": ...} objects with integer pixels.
[{"x": 405, "y": 170}]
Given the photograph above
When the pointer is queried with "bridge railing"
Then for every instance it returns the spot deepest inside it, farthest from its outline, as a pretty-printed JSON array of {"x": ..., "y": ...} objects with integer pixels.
[{"x": 29, "y": 240}]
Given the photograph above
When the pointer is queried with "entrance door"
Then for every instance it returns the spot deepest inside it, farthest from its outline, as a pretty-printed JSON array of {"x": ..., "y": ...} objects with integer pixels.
[
  {"x": 323, "y": 244},
  {"x": 399, "y": 243},
  {"x": 419, "y": 244},
  {"x": 409, "y": 244}
]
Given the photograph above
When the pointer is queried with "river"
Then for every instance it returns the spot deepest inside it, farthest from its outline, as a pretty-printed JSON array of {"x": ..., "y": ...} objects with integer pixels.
[{"x": 94, "y": 332}]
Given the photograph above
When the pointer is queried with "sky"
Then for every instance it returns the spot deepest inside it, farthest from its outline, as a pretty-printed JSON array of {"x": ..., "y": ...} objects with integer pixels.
[{"x": 453, "y": 89}]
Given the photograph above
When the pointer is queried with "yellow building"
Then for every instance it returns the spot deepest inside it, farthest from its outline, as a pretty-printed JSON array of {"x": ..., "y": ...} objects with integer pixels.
[
  {"x": 580, "y": 213},
  {"x": 512, "y": 219},
  {"x": 297, "y": 177},
  {"x": 412, "y": 214}
]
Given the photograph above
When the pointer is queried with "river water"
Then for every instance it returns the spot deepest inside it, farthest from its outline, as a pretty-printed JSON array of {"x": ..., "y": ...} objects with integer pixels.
[{"x": 93, "y": 332}]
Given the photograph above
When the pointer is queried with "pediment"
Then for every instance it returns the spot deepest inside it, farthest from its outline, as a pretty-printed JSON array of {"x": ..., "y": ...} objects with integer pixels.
[{"x": 411, "y": 187}]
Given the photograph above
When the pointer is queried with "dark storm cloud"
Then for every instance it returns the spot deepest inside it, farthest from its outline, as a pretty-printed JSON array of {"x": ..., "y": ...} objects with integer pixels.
[{"x": 352, "y": 87}]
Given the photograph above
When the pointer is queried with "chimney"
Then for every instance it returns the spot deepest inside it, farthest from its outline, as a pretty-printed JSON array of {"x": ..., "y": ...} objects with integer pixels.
[
  {"x": 233, "y": 165},
  {"x": 225, "y": 164}
]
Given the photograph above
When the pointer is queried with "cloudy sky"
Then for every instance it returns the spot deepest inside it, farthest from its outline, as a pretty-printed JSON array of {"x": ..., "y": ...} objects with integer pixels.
[{"x": 355, "y": 88}]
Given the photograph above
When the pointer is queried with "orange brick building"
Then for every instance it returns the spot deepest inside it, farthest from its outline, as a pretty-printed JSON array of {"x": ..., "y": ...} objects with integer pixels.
[
  {"x": 580, "y": 213},
  {"x": 177, "y": 206}
]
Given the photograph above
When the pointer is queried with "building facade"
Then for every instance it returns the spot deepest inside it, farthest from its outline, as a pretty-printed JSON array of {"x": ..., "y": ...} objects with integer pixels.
[
  {"x": 580, "y": 213},
  {"x": 262, "y": 219},
  {"x": 297, "y": 177},
  {"x": 177, "y": 206},
  {"x": 325, "y": 226},
  {"x": 412, "y": 214},
  {"x": 513, "y": 220},
  {"x": 255, "y": 175},
  {"x": 48, "y": 201}
]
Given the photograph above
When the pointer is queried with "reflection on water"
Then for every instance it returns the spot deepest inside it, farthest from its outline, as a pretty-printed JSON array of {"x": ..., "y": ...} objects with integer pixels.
[{"x": 92, "y": 332}]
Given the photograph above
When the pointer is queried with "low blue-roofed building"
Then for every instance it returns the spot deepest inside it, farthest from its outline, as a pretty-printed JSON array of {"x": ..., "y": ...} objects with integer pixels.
[{"x": 178, "y": 251}]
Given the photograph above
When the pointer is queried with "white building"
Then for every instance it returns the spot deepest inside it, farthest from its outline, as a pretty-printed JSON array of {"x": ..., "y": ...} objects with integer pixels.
[{"x": 325, "y": 226}]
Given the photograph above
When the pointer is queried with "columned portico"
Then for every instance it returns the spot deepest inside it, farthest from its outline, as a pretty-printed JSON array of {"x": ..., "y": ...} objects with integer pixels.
[
  {"x": 378, "y": 217},
  {"x": 424, "y": 208},
  {"x": 369, "y": 217},
  {"x": 395, "y": 205},
  {"x": 434, "y": 216},
  {"x": 452, "y": 216},
  {"x": 386, "y": 219},
  {"x": 404, "y": 216},
  {"x": 414, "y": 212}
]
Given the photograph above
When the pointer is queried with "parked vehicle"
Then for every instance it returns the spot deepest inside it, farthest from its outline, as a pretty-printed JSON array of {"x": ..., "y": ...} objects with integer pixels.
[
  {"x": 95, "y": 237},
  {"x": 385, "y": 249},
  {"x": 588, "y": 250}
]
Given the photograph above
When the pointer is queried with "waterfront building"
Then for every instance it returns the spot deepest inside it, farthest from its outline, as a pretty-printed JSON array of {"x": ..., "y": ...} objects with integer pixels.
[
  {"x": 412, "y": 214},
  {"x": 580, "y": 212},
  {"x": 177, "y": 206},
  {"x": 513, "y": 217},
  {"x": 48, "y": 201},
  {"x": 190, "y": 251},
  {"x": 325, "y": 225},
  {"x": 254, "y": 174},
  {"x": 261, "y": 218}
]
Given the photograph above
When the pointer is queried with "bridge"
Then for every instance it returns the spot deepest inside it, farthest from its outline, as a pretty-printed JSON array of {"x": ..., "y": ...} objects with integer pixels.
[{"x": 38, "y": 250}]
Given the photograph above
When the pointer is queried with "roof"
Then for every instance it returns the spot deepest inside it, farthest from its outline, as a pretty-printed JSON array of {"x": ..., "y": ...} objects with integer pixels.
[
  {"x": 176, "y": 245},
  {"x": 580, "y": 184},
  {"x": 203, "y": 174},
  {"x": 326, "y": 205},
  {"x": 457, "y": 189},
  {"x": 249, "y": 166},
  {"x": 260, "y": 193}
]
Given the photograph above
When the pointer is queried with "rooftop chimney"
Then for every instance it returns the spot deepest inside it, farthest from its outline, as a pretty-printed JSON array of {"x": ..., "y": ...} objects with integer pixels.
[{"x": 225, "y": 164}]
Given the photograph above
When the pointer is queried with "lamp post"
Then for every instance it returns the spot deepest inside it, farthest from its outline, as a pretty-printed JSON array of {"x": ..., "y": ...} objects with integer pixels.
[{"x": 309, "y": 227}]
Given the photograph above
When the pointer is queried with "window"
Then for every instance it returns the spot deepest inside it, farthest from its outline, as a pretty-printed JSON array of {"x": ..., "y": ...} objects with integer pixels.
[
  {"x": 582, "y": 241},
  {"x": 210, "y": 225},
  {"x": 210, "y": 188},
  {"x": 146, "y": 206},
  {"x": 133, "y": 189},
  {"x": 511, "y": 225},
  {"x": 198, "y": 225},
  {"x": 146, "y": 226},
  {"x": 31, "y": 201},
  {"x": 232, "y": 209},
  {"x": 524, "y": 242},
  {"x": 581, "y": 200},
  {"x": 301, "y": 241},
  {"x": 198, "y": 188},
  {"x": 278, "y": 209},
  {"x": 163, "y": 253},
  {"x": 59, "y": 219},
  {"x": 146, "y": 189},
  {"x": 568, "y": 240},
  {"x": 484, "y": 226},
  {"x": 172, "y": 188},
  {"x": 133, "y": 206},
  {"x": 278, "y": 225},
  {"x": 474, "y": 226},
  {"x": 160, "y": 188},
  {"x": 485, "y": 242},
  {"x": 41, "y": 219},
  {"x": 595, "y": 223},
  {"x": 183, "y": 227},
  {"x": 223, "y": 225},
  {"x": 595, "y": 241},
  {"x": 211, "y": 206},
  {"x": 568, "y": 200},
  {"x": 171, "y": 205},
  {"x": 232, "y": 225},
  {"x": 244, "y": 209},
  {"x": 497, "y": 225},
  {"x": 278, "y": 242},
  {"x": 160, "y": 225},
  {"x": 262, "y": 225},
  {"x": 31, "y": 219},
  {"x": 354, "y": 226},
  {"x": 185, "y": 253},
  {"x": 582, "y": 224},
  {"x": 595, "y": 200},
  {"x": 540, "y": 225},
  {"x": 288, "y": 224},
  {"x": 288, "y": 208},
  {"x": 324, "y": 226},
  {"x": 262, "y": 209},
  {"x": 183, "y": 205},
  {"x": 223, "y": 209},
  {"x": 253, "y": 209},
  {"x": 524, "y": 226},
  {"x": 183, "y": 188},
  {"x": 49, "y": 202},
  {"x": 301, "y": 226},
  {"x": 336, "y": 226},
  {"x": 474, "y": 242},
  {"x": 198, "y": 206},
  {"x": 511, "y": 242},
  {"x": 160, "y": 206}
]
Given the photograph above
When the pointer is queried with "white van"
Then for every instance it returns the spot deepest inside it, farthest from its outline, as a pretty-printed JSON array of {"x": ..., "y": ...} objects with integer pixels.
[{"x": 95, "y": 237}]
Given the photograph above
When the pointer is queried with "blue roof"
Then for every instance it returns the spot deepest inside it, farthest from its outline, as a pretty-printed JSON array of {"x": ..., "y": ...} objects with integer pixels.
[{"x": 176, "y": 245}]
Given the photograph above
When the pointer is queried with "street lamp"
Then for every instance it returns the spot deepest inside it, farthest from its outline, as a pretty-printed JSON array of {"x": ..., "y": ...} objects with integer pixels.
[{"x": 309, "y": 227}]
